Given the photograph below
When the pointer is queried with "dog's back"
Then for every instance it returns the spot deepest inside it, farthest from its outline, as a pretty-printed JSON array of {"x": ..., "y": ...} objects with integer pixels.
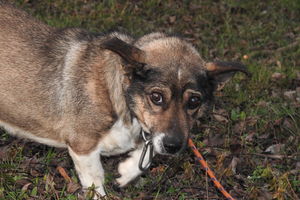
[
  {"x": 20, "y": 40},
  {"x": 53, "y": 81},
  {"x": 29, "y": 77},
  {"x": 20, "y": 34}
]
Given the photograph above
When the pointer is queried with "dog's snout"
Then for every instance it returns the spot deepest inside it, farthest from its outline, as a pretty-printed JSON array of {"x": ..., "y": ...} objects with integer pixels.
[{"x": 172, "y": 145}]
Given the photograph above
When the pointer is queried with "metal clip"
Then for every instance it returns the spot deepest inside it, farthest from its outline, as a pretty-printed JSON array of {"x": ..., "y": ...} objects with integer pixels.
[{"x": 148, "y": 145}]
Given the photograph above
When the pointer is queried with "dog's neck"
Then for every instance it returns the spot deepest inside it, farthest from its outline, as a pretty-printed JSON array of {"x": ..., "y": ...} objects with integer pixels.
[
  {"x": 105, "y": 76},
  {"x": 117, "y": 81}
]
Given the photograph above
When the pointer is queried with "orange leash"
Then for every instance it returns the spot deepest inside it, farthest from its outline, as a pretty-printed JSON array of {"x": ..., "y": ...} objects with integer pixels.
[{"x": 201, "y": 160}]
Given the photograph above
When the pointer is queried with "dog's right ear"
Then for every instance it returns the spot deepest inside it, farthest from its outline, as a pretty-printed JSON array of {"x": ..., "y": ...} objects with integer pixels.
[{"x": 128, "y": 52}]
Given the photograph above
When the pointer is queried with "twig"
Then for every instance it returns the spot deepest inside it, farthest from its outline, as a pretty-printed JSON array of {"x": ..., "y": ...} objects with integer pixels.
[
  {"x": 276, "y": 51},
  {"x": 274, "y": 156}
]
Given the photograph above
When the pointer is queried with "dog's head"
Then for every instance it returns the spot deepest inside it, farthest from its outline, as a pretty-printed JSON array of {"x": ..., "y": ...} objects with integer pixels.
[{"x": 170, "y": 86}]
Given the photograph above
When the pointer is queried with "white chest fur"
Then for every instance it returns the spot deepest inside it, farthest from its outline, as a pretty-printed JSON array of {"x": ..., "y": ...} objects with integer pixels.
[{"x": 120, "y": 138}]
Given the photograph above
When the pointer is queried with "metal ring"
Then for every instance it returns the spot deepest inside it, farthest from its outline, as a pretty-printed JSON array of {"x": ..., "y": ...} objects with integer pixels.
[{"x": 144, "y": 136}]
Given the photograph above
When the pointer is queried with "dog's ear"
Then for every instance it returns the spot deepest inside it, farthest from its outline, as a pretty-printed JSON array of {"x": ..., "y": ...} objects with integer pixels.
[
  {"x": 129, "y": 53},
  {"x": 221, "y": 72}
]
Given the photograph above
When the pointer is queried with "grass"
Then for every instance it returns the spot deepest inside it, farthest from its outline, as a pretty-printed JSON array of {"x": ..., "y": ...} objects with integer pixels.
[{"x": 261, "y": 34}]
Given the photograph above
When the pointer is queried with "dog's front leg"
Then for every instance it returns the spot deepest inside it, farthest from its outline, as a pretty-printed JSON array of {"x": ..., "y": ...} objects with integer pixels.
[
  {"x": 90, "y": 171},
  {"x": 129, "y": 169}
]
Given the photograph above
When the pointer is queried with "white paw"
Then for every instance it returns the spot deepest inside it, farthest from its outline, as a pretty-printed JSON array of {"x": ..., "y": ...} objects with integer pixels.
[{"x": 128, "y": 170}]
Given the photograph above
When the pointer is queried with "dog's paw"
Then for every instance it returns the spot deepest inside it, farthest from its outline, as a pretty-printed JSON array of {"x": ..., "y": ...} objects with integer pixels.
[
  {"x": 129, "y": 171},
  {"x": 121, "y": 182}
]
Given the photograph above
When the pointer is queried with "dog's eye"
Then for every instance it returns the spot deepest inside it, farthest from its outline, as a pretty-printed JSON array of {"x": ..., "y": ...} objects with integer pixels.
[
  {"x": 194, "y": 102},
  {"x": 156, "y": 98}
]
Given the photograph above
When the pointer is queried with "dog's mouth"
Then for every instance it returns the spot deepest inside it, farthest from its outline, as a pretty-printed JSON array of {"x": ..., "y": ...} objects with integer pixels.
[
  {"x": 160, "y": 146},
  {"x": 153, "y": 143},
  {"x": 156, "y": 141}
]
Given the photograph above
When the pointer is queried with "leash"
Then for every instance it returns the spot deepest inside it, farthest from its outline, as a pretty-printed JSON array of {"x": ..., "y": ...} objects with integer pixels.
[{"x": 201, "y": 160}]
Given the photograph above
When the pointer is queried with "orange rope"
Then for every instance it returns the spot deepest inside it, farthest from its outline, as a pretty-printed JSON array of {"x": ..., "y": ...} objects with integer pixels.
[{"x": 208, "y": 170}]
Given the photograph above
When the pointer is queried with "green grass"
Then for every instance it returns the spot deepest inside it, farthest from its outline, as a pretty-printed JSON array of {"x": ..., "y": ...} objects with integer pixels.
[{"x": 221, "y": 30}]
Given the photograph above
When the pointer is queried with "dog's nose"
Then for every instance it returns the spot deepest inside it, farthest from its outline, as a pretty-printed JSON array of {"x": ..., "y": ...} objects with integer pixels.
[{"x": 172, "y": 145}]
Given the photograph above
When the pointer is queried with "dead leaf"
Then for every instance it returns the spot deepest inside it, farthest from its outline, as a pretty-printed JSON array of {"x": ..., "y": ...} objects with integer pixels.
[
  {"x": 49, "y": 182},
  {"x": 35, "y": 173},
  {"x": 220, "y": 118},
  {"x": 188, "y": 170},
  {"x": 290, "y": 94},
  {"x": 250, "y": 137},
  {"x": 277, "y": 122},
  {"x": 73, "y": 187},
  {"x": 264, "y": 195},
  {"x": 64, "y": 174},
  {"x": 22, "y": 182},
  {"x": 273, "y": 156},
  {"x": 275, "y": 149},
  {"x": 298, "y": 165},
  {"x": 25, "y": 187},
  {"x": 239, "y": 127},
  {"x": 188, "y": 32},
  {"x": 251, "y": 121},
  {"x": 4, "y": 153},
  {"x": 279, "y": 64},
  {"x": 209, "y": 151},
  {"x": 194, "y": 6},
  {"x": 30, "y": 162},
  {"x": 221, "y": 115},
  {"x": 234, "y": 163},
  {"x": 277, "y": 76},
  {"x": 275, "y": 94},
  {"x": 298, "y": 91},
  {"x": 216, "y": 140},
  {"x": 264, "y": 136},
  {"x": 187, "y": 18},
  {"x": 158, "y": 170},
  {"x": 287, "y": 123},
  {"x": 172, "y": 19},
  {"x": 262, "y": 103}
]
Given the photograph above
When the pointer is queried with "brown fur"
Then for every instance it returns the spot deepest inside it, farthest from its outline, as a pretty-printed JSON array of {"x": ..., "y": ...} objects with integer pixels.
[{"x": 32, "y": 73}]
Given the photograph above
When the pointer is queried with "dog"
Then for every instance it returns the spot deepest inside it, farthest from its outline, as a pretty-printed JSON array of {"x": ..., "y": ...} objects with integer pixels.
[{"x": 103, "y": 94}]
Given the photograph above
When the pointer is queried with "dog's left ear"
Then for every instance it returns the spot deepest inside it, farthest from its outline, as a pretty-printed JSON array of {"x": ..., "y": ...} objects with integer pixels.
[
  {"x": 131, "y": 54},
  {"x": 221, "y": 72}
]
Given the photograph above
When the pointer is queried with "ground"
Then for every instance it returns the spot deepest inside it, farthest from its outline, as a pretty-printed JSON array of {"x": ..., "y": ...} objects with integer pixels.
[{"x": 251, "y": 139}]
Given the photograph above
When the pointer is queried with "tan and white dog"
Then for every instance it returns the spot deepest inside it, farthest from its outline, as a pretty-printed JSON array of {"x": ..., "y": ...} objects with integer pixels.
[{"x": 97, "y": 94}]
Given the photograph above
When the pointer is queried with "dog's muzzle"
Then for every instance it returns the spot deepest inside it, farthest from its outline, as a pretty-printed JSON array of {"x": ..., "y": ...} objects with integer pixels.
[{"x": 148, "y": 145}]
